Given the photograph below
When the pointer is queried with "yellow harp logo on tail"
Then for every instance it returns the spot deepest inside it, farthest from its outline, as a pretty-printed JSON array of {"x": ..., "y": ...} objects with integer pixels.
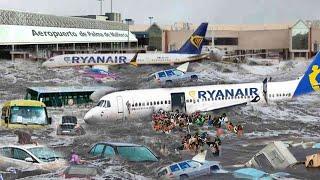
[
  {"x": 313, "y": 78},
  {"x": 196, "y": 41}
]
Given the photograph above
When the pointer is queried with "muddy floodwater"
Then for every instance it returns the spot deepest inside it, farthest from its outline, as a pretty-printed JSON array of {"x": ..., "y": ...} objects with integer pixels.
[{"x": 297, "y": 120}]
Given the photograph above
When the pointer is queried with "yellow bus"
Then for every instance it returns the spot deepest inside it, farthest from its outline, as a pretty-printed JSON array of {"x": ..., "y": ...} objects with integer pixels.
[{"x": 24, "y": 114}]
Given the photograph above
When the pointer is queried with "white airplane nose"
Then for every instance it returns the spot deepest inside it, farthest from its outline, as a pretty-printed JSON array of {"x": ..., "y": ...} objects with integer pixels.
[
  {"x": 91, "y": 116},
  {"x": 88, "y": 118},
  {"x": 45, "y": 64}
]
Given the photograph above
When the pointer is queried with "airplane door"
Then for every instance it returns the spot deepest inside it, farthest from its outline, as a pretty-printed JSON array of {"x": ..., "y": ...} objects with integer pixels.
[
  {"x": 120, "y": 104},
  {"x": 120, "y": 108},
  {"x": 178, "y": 102}
]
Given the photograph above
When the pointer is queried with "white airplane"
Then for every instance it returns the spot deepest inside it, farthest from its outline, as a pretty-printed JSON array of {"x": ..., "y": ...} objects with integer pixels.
[
  {"x": 223, "y": 55},
  {"x": 142, "y": 103},
  {"x": 190, "y": 51}
]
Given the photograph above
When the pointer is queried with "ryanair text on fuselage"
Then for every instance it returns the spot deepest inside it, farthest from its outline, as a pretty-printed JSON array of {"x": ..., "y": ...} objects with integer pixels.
[
  {"x": 96, "y": 59},
  {"x": 227, "y": 93}
]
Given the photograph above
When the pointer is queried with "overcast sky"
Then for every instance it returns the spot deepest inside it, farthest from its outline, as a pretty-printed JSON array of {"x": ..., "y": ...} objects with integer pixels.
[{"x": 170, "y": 11}]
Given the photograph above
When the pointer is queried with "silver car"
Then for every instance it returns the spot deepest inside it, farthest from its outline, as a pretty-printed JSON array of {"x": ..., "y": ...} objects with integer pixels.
[
  {"x": 30, "y": 157},
  {"x": 168, "y": 77},
  {"x": 188, "y": 169}
]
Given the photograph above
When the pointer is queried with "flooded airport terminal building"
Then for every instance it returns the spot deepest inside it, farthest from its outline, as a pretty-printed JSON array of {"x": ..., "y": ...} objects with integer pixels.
[
  {"x": 298, "y": 40},
  {"x": 32, "y": 35}
]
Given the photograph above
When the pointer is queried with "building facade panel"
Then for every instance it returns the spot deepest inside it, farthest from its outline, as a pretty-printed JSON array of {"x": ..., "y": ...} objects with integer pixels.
[{"x": 264, "y": 39}]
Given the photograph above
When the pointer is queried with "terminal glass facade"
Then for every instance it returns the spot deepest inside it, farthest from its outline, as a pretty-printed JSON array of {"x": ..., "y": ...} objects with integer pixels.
[
  {"x": 300, "y": 36},
  {"x": 226, "y": 41}
]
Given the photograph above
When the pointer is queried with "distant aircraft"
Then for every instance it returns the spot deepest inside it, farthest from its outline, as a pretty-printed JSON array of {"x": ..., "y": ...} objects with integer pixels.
[
  {"x": 190, "y": 51},
  {"x": 170, "y": 76},
  {"x": 142, "y": 103},
  {"x": 223, "y": 55}
]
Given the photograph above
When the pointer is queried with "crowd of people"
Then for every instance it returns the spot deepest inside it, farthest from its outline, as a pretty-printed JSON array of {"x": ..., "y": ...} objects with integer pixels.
[
  {"x": 198, "y": 141},
  {"x": 167, "y": 121}
]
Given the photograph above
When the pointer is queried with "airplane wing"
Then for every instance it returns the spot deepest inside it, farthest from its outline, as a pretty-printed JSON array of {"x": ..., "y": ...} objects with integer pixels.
[
  {"x": 240, "y": 102},
  {"x": 183, "y": 67},
  {"x": 198, "y": 57},
  {"x": 238, "y": 56}
]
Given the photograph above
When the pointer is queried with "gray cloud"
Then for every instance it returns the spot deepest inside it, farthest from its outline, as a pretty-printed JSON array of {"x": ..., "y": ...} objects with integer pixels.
[{"x": 170, "y": 11}]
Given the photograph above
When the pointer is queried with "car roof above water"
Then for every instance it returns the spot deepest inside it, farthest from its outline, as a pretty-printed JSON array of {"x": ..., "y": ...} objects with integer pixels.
[
  {"x": 120, "y": 144},
  {"x": 23, "y": 146}
]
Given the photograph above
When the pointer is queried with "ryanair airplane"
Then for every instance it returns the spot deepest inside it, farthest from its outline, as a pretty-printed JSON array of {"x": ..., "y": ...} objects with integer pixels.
[
  {"x": 190, "y": 51},
  {"x": 142, "y": 103}
]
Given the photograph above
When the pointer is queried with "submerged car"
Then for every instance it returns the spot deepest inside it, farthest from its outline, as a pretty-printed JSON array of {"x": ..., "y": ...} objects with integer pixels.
[
  {"x": 70, "y": 126},
  {"x": 252, "y": 173},
  {"x": 126, "y": 151},
  {"x": 30, "y": 157},
  {"x": 171, "y": 76},
  {"x": 188, "y": 169},
  {"x": 82, "y": 171},
  {"x": 100, "y": 75}
]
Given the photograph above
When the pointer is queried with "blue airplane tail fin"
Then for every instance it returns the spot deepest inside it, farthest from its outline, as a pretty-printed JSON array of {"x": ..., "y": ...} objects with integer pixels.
[
  {"x": 310, "y": 82},
  {"x": 195, "y": 42}
]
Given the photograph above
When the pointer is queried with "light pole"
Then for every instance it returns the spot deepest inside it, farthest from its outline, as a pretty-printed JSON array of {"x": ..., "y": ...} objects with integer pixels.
[
  {"x": 150, "y": 18},
  {"x": 101, "y": 1},
  {"x": 128, "y": 21}
]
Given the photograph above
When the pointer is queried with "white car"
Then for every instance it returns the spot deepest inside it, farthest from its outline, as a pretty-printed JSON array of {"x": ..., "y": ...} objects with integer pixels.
[
  {"x": 30, "y": 157},
  {"x": 189, "y": 169}
]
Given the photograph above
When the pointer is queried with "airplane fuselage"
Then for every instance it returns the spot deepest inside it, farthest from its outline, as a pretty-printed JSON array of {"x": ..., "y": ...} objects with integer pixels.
[
  {"x": 117, "y": 59},
  {"x": 133, "y": 104}
]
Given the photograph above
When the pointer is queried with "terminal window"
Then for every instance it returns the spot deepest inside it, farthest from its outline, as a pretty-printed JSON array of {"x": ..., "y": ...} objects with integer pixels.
[
  {"x": 300, "y": 36},
  {"x": 226, "y": 41}
]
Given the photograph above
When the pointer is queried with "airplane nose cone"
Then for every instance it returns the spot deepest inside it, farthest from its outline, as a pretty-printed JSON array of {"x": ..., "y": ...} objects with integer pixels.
[
  {"x": 45, "y": 64},
  {"x": 89, "y": 118}
]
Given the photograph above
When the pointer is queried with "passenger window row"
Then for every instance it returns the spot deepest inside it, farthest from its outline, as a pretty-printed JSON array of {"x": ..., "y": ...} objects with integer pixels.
[
  {"x": 154, "y": 103},
  {"x": 218, "y": 99},
  {"x": 279, "y": 95}
]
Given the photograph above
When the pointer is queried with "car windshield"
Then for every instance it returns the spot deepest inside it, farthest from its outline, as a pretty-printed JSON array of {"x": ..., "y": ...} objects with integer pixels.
[
  {"x": 136, "y": 153},
  {"x": 28, "y": 115},
  {"x": 45, "y": 154},
  {"x": 193, "y": 163},
  {"x": 178, "y": 73}
]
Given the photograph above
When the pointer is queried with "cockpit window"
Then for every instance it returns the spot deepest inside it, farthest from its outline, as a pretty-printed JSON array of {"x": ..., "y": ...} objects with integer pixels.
[
  {"x": 108, "y": 104},
  {"x": 101, "y": 103}
]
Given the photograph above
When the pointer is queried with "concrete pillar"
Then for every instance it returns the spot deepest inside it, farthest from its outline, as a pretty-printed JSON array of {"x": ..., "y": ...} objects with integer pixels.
[
  {"x": 74, "y": 46},
  {"x": 292, "y": 55},
  {"x": 12, "y": 52},
  {"x": 37, "y": 50},
  {"x": 57, "y": 47}
]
